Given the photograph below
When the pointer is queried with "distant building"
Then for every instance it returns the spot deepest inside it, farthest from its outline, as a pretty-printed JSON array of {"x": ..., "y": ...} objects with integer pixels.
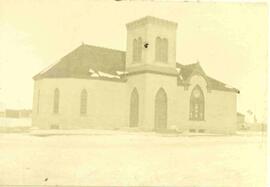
[
  {"x": 12, "y": 113},
  {"x": 240, "y": 121},
  {"x": 25, "y": 113},
  {"x": 141, "y": 88}
]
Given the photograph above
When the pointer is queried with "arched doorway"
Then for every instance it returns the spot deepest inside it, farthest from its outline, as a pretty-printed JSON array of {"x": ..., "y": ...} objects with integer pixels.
[
  {"x": 161, "y": 110},
  {"x": 134, "y": 109}
]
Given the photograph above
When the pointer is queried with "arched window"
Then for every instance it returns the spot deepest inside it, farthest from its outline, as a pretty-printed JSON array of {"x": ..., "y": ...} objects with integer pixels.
[
  {"x": 83, "y": 102},
  {"x": 137, "y": 50},
  {"x": 164, "y": 50},
  {"x": 56, "y": 101},
  {"x": 158, "y": 49},
  {"x": 161, "y": 110},
  {"x": 134, "y": 109},
  {"x": 196, "y": 104},
  {"x": 161, "y": 54}
]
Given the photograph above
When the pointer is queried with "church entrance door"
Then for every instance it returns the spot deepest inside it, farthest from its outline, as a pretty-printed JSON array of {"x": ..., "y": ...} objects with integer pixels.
[
  {"x": 134, "y": 109},
  {"x": 161, "y": 110}
]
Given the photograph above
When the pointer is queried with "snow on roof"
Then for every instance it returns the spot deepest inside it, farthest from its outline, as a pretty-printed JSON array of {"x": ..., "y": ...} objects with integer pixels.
[
  {"x": 77, "y": 63},
  {"x": 94, "y": 75},
  {"x": 91, "y": 71},
  {"x": 121, "y": 72},
  {"x": 102, "y": 74}
]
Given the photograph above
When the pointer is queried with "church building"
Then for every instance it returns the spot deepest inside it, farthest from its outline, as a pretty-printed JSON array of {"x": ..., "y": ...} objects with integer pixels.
[{"x": 142, "y": 88}]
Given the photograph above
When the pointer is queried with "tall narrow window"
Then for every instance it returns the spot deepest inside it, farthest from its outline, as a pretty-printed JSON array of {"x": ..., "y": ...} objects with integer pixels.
[
  {"x": 83, "y": 103},
  {"x": 135, "y": 50},
  {"x": 161, "y": 110},
  {"x": 196, "y": 104},
  {"x": 56, "y": 101},
  {"x": 158, "y": 49},
  {"x": 139, "y": 47},
  {"x": 134, "y": 109},
  {"x": 38, "y": 98},
  {"x": 161, "y": 48},
  {"x": 164, "y": 50}
]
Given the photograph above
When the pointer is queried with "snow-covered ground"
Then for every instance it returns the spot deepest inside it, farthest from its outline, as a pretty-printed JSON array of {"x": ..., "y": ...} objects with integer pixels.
[
  {"x": 18, "y": 125},
  {"x": 15, "y": 122},
  {"x": 131, "y": 158}
]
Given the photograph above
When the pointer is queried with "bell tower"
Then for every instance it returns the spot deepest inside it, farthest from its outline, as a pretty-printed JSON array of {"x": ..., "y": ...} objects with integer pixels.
[
  {"x": 151, "y": 46},
  {"x": 151, "y": 67}
]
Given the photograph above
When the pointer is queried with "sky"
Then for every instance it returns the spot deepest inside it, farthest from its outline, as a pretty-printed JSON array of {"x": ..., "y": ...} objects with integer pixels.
[{"x": 228, "y": 39}]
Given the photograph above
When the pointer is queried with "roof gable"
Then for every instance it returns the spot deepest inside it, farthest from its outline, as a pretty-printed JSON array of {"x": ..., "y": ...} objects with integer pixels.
[
  {"x": 187, "y": 71},
  {"x": 78, "y": 63}
]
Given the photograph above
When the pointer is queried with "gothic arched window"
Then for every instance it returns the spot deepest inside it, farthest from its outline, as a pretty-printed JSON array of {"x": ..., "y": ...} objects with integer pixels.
[
  {"x": 196, "y": 104},
  {"x": 56, "y": 99},
  {"x": 137, "y": 50},
  {"x": 158, "y": 49},
  {"x": 134, "y": 109},
  {"x": 161, "y": 110},
  {"x": 164, "y": 50},
  {"x": 134, "y": 53},
  {"x": 83, "y": 102},
  {"x": 161, "y": 47}
]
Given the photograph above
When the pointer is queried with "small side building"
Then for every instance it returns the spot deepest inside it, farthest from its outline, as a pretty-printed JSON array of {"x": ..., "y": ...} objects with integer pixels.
[
  {"x": 16, "y": 113},
  {"x": 241, "y": 121}
]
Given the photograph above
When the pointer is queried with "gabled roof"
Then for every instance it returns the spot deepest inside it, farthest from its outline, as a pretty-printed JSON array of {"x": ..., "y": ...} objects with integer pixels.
[
  {"x": 186, "y": 71},
  {"x": 91, "y": 62},
  {"x": 77, "y": 63}
]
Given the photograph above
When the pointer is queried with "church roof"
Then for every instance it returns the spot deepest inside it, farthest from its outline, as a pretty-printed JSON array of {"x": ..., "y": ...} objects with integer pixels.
[
  {"x": 84, "y": 61},
  {"x": 186, "y": 71},
  {"x": 93, "y": 62}
]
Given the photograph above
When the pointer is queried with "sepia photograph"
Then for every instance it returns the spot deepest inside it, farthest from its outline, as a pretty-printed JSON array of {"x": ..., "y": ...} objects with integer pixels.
[{"x": 133, "y": 93}]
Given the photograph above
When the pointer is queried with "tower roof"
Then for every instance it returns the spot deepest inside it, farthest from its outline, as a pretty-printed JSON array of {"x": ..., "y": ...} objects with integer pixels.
[{"x": 151, "y": 19}]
